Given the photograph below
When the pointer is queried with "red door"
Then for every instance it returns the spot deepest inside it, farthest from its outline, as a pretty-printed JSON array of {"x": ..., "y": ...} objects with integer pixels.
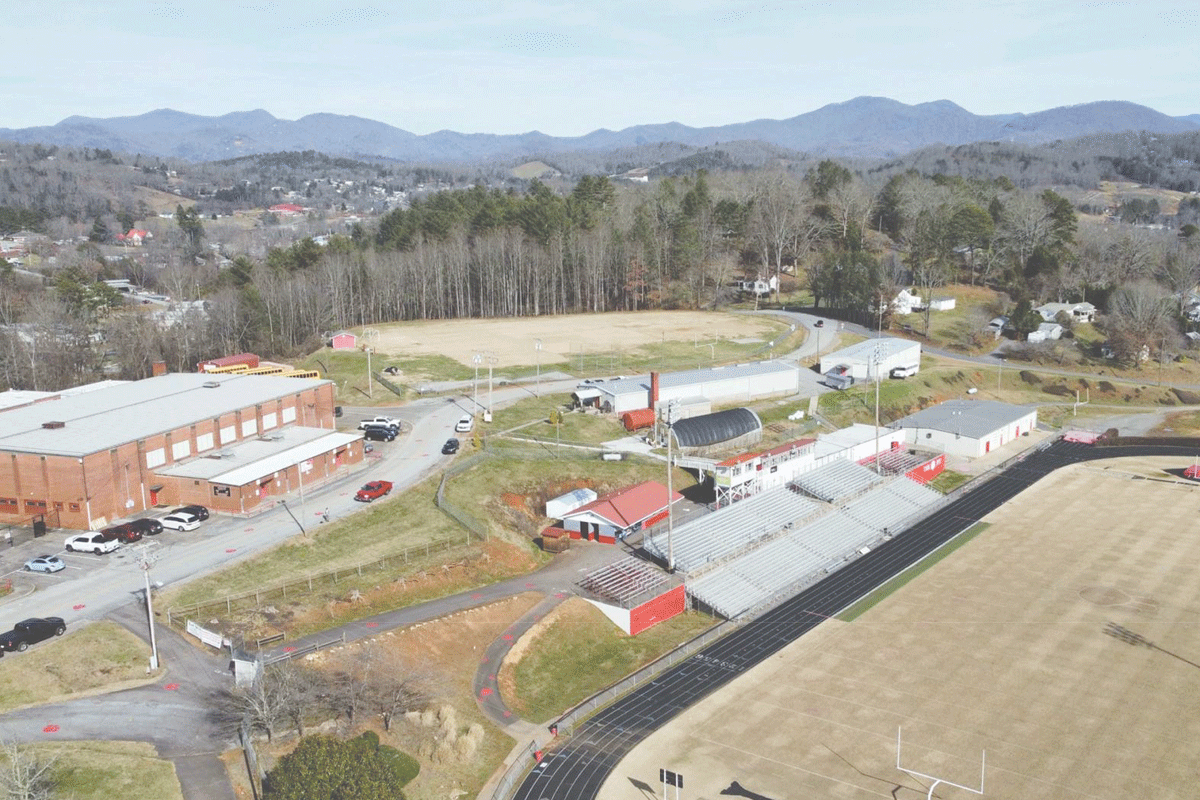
[{"x": 154, "y": 497}]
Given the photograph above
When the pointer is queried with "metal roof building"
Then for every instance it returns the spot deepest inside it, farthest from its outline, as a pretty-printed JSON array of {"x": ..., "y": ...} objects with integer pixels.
[
  {"x": 969, "y": 428},
  {"x": 734, "y": 383},
  {"x": 861, "y": 357},
  {"x": 732, "y": 426}
]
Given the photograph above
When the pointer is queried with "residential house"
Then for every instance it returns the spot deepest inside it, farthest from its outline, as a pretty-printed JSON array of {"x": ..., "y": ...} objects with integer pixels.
[
  {"x": 1045, "y": 332},
  {"x": 906, "y": 302},
  {"x": 1078, "y": 312}
]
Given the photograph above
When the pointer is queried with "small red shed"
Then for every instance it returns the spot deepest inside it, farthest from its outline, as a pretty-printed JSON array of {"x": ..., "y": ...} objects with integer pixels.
[{"x": 343, "y": 340}]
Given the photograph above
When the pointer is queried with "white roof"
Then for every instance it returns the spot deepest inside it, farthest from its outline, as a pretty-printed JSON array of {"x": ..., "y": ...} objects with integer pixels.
[
  {"x": 671, "y": 380},
  {"x": 864, "y": 352},
  {"x": 586, "y": 394},
  {"x": 254, "y": 459},
  {"x": 115, "y": 414}
]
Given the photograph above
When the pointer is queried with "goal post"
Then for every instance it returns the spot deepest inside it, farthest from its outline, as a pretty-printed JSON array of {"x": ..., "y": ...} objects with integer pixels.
[{"x": 936, "y": 780}]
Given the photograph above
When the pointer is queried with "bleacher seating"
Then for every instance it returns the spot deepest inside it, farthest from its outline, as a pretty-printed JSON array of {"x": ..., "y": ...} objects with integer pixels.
[
  {"x": 836, "y": 480},
  {"x": 805, "y": 551},
  {"x": 721, "y": 534}
]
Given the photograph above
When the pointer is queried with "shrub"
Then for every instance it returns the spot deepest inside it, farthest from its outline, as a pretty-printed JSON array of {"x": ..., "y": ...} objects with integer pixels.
[
  {"x": 1030, "y": 378},
  {"x": 1059, "y": 389},
  {"x": 1105, "y": 386},
  {"x": 327, "y": 768}
]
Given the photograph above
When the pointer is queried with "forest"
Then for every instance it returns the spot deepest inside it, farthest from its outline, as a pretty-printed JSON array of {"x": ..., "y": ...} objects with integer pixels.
[{"x": 845, "y": 233}]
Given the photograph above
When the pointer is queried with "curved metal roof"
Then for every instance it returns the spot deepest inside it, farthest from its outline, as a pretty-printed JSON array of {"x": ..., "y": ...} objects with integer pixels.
[{"x": 715, "y": 428}]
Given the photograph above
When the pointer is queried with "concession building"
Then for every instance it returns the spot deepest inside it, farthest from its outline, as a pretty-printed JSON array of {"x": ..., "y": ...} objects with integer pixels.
[
  {"x": 228, "y": 442},
  {"x": 970, "y": 428}
]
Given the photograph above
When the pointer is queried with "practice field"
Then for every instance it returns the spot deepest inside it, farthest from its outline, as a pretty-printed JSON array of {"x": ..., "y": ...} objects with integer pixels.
[
  {"x": 512, "y": 339},
  {"x": 1000, "y": 647}
]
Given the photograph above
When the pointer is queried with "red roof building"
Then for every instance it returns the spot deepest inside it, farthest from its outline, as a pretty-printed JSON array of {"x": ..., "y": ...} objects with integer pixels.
[
  {"x": 614, "y": 515},
  {"x": 287, "y": 209},
  {"x": 135, "y": 237}
]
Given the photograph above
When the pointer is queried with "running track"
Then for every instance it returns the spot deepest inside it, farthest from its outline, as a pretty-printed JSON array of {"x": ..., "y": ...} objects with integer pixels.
[{"x": 576, "y": 770}]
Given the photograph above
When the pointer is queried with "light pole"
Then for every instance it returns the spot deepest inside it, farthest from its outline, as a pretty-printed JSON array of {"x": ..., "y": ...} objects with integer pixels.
[
  {"x": 537, "y": 348},
  {"x": 145, "y": 561},
  {"x": 878, "y": 355},
  {"x": 672, "y": 409},
  {"x": 476, "y": 359},
  {"x": 370, "y": 386}
]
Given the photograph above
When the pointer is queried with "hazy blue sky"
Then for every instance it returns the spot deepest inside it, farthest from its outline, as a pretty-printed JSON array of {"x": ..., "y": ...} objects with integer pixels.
[{"x": 569, "y": 67}]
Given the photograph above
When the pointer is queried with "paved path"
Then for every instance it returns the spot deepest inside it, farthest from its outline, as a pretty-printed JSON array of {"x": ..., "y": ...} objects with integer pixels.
[{"x": 487, "y": 674}]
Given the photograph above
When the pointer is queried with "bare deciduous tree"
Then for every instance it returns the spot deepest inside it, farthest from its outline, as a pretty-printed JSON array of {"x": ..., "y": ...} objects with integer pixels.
[{"x": 25, "y": 775}]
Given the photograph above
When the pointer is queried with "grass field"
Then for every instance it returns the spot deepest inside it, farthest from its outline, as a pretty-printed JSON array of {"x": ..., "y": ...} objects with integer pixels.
[
  {"x": 578, "y": 651},
  {"x": 99, "y": 656},
  {"x": 106, "y": 770},
  {"x": 1001, "y": 647}
]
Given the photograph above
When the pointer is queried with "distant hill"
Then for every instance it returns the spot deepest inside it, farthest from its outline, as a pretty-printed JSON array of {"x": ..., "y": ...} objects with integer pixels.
[{"x": 864, "y": 126}]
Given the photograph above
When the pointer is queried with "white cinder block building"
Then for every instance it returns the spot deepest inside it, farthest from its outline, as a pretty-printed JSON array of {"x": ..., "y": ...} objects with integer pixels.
[
  {"x": 861, "y": 357},
  {"x": 969, "y": 428}
]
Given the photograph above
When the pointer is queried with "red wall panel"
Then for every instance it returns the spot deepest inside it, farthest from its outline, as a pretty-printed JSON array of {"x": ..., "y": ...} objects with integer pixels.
[{"x": 654, "y": 611}]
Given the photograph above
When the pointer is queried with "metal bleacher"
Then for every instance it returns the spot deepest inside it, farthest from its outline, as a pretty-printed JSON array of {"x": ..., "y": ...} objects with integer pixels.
[
  {"x": 836, "y": 480},
  {"x": 723, "y": 533},
  {"x": 804, "y": 552}
]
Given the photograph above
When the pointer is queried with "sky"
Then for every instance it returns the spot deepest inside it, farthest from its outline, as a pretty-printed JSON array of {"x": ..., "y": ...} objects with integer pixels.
[{"x": 566, "y": 68}]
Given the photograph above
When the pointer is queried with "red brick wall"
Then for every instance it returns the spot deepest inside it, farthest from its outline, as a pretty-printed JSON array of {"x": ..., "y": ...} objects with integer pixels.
[{"x": 652, "y": 612}]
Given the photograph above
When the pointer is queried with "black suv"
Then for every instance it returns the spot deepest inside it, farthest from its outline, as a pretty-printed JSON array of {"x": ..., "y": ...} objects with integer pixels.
[
  {"x": 450, "y": 447},
  {"x": 199, "y": 512},
  {"x": 380, "y": 434},
  {"x": 31, "y": 631}
]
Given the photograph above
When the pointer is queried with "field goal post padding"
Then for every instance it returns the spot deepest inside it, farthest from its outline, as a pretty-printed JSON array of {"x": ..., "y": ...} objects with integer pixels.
[{"x": 936, "y": 780}]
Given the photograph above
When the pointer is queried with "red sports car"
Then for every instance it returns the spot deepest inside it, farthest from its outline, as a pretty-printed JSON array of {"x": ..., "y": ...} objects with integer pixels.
[{"x": 373, "y": 491}]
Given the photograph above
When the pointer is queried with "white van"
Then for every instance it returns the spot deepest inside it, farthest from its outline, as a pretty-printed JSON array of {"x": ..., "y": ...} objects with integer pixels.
[
  {"x": 465, "y": 424},
  {"x": 905, "y": 372}
]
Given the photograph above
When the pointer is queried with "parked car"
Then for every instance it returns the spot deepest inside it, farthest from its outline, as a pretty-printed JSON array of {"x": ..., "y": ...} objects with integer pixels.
[
  {"x": 450, "y": 447},
  {"x": 124, "y": 533},
  {"x": 465, "y": 424},
  {"x": 199, "y": 512},
  {"x": 181, "y": 521},
  {"x": 379, "y": 434},
  {"x": 147, "y": 526},
  {"x": 373, "y": 491},
  {"x": 31, "y": 631},
  {"x": 819, "y": 323},
  {"x": 387, "y": 422},
  {"x": 45, "y": 564},
  {"x": 904, "y": 372},
  {"x": 90, "y": 542}
]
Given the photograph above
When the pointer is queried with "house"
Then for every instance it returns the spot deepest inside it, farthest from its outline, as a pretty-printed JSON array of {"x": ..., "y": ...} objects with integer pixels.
[
  {"x": 134, "y": 237},
  {"x": 1045, "y": 332},
  {"x": 1078, "y": 312},
  {"x": 343, "y": 340},
  {"x": 615, "y": 515},
  {"x": 942, "y": 304},
  {"x": 759, "y": 287},
  {"x": 906, "y": 302}
]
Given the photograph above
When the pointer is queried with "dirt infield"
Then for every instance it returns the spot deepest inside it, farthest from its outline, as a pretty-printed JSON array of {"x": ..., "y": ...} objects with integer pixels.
[
  {"x": 1000, "y": 647},
  {"x": 512, "y": 339}
]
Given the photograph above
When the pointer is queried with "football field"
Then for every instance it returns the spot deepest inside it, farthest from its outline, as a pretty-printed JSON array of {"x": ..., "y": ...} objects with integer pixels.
[{"x": 1000, "y": 647}]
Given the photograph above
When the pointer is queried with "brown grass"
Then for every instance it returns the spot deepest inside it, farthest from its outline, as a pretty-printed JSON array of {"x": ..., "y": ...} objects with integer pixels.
[
  {"x": 1000, "y": 647},
  {"x": 104, "y": 770}
]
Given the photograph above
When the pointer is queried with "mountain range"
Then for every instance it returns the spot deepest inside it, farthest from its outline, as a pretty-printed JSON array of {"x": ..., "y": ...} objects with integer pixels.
[{"x": 864, "y": 126}]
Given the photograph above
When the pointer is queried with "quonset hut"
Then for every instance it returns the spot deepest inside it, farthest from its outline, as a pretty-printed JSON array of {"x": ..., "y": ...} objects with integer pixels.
[{"x": 734, "y": 427}]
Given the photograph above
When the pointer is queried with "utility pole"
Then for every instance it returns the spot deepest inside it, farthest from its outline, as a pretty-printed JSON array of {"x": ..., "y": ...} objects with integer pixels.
[
  {"x": 145, "y": 561},
  {"x": 370, "y": 385},
  {"x": 878, "y": 357},
  {"x": 476, "y": 359}
]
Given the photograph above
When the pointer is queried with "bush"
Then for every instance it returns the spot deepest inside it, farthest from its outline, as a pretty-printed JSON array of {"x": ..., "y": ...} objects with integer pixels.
[
  {"x": 327, "y": 768},
  {"x": 403, "y": 766},
  {"x": 1059, "y": 390},
  {"x": 1105, "y": 386},
  {"x": 1030, "y": 378}
]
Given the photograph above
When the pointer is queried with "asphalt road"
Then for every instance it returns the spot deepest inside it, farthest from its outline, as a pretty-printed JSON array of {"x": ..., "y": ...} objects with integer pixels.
[{"x": 577, "y": 769}]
